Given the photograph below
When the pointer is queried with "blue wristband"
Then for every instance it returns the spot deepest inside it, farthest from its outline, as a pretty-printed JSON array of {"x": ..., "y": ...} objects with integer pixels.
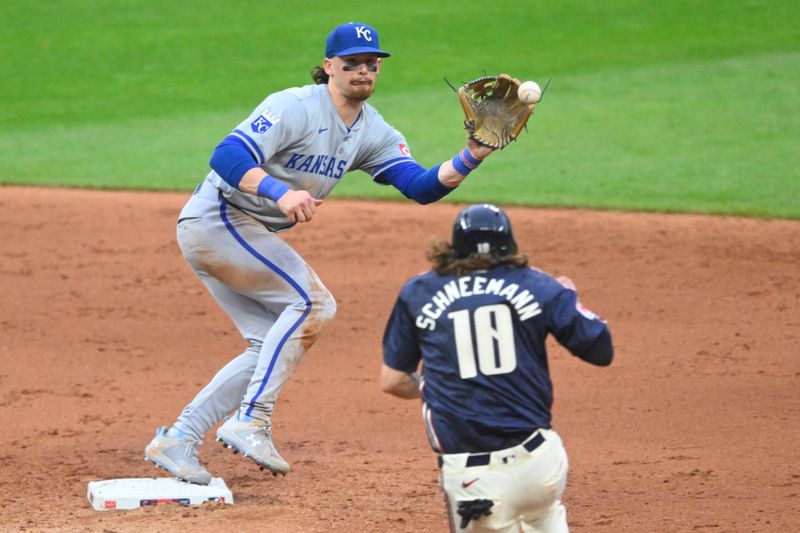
[
  {"x": 464, "y": 163},
  {"x": 472, "y": 162},
  {"x": 271, "y": 188}
]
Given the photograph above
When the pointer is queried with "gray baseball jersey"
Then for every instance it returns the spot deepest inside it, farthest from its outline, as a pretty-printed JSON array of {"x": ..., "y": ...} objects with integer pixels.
[
  {"x": 276, "y": 300},
  {"x": 298, "y": 138}
]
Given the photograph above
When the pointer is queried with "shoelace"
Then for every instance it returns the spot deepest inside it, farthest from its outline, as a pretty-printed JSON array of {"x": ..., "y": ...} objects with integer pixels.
[{"x": 266, "y": 429}]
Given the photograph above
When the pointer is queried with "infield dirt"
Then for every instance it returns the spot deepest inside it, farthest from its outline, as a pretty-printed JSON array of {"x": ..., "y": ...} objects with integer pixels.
[{"x": 105, "y": 334}]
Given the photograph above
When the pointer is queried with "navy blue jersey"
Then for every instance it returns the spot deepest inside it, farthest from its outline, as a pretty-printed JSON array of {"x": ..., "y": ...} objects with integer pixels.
[{"x": 481, "y": 338}]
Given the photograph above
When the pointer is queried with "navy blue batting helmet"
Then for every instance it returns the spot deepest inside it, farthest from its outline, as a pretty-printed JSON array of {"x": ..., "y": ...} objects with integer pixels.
[{"x": 483, "y": 228}]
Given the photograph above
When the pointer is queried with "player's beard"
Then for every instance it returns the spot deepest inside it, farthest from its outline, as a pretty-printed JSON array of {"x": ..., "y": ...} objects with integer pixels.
[{"x": 360, "y": 90}]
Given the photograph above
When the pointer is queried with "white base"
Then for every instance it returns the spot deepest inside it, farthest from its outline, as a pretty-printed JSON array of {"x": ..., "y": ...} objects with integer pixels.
[{"x": 133, "y": 493}]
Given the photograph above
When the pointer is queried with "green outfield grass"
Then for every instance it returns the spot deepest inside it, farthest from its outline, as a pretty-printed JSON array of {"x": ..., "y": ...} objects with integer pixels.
[{"x": 686, "y": 105}]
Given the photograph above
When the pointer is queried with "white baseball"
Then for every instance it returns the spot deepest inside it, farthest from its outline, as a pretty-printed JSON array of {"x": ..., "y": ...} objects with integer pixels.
[{"x": 529, "y": 92}]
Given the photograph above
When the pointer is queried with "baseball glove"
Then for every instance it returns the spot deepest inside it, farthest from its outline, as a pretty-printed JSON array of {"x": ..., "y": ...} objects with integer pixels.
[{"x": 493, "y": 113}]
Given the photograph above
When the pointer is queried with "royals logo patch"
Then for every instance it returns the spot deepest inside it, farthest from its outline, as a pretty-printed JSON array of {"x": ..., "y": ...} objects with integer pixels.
[{"x": 263, "y": 122}]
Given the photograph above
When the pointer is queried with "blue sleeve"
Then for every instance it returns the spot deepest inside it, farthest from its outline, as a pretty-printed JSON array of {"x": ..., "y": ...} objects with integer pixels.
[
  {"x": 232, "y": 159},
  {"x": 411, "y": 179},
  {"x": 400, "y": 346},
  {"x": 579, "y": 330},
  {"x": 601, "y": 352}
]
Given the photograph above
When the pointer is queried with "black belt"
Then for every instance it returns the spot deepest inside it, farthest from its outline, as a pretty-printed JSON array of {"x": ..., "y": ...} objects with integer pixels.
[{"x": 483, "y": 459}]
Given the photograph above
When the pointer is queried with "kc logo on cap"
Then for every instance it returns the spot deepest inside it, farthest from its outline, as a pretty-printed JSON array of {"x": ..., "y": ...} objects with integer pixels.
[
  {"x": 353, "y": 38},
  {"x": 365, "y": 32}
]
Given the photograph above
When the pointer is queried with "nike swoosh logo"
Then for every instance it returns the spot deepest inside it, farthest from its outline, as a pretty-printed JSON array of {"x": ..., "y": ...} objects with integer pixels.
[
  {"x": 466, "y": 484},
  {"x": 322, "y": 129}
]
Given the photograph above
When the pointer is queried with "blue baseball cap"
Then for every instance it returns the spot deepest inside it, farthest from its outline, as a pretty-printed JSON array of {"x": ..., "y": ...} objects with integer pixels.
[{"x": 353, "y": 38}]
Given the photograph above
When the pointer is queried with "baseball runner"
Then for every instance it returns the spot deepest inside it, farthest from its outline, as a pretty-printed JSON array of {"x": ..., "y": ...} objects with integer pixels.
[
  {"x": 478, "y": 324},
  {"x": 272, "y": 172}
]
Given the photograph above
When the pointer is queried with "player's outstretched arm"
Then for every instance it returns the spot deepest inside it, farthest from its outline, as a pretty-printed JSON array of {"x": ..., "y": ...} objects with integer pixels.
[{"x": 429, "y": 185}]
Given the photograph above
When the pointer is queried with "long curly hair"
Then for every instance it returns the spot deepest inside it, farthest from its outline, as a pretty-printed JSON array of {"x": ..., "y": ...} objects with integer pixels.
[
  {"x": 319, "y": 76},
  {"x": 444, "y": 261}
]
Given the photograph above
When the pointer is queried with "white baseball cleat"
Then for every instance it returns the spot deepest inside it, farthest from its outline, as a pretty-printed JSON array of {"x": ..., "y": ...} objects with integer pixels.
[
  {"x": 175, "y": 451},
  {"x": 253, "y": 439}
]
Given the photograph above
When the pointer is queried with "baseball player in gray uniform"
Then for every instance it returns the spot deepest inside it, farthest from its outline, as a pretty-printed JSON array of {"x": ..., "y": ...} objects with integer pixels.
[{"x": 271, "y": 172}]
